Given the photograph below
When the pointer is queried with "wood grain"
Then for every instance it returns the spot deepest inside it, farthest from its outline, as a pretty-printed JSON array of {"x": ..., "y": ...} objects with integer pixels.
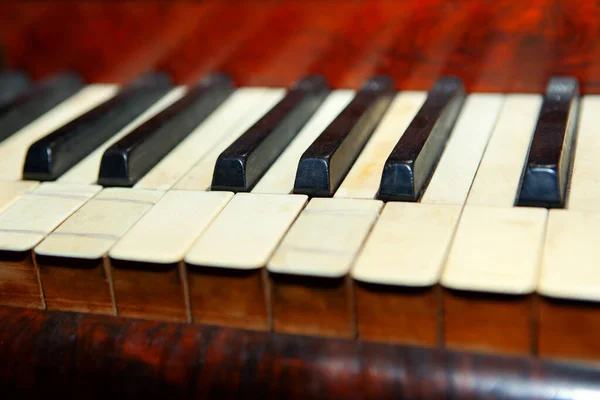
[
  {"x": 499, "y": 46},
  {"x": 98, "y": 357},
  {"x": 19, "y": 281}
]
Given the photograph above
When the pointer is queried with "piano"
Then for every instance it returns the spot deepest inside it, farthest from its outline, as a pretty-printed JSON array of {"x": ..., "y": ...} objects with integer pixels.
[{"x": 248, "y": 199}]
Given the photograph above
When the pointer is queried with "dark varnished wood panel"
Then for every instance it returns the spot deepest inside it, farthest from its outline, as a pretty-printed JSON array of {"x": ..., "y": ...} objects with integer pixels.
[
  {"x": 152, "y": 291},
  {"x": 76, "y": 285},
  {"x": 229, "y": 297},
  {"x": 312, "y": 306},
  {"x": 57, "y": 354},
  {"x": 489, "y": 323},
  {"x": 19, "y": 281},
  {"x": 499, "y": 46},
  {"x": 569, "y": 329},
  {"x": 399, "y": 315}
]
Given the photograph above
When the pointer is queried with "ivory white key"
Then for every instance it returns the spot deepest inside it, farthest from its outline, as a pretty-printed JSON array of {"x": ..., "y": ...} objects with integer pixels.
[
  {"x": 86, "y": 171},
  {"x": 584, "y": 193},
  {"x": 362, "y": 182},
  {"x": 201, "y": 174},
  {"x": 216, "y": 127},
  {"x": 325, "y": 238},
  {"x": 570, "y": 260},
  {"x": 27, "y": 221},
  {"x": 496, "y": 250},
  {"x": 410, "y": 241},
  {"x": 14, "y": 149},
  {"x": 166, "y": 232},
  {"x": 93, "y": 229},
  {"x": 247, "y": 231},
  {"x": 497, "y": 247},
  {"x": 11, "y": 191},
  {"x": 499, "y": 174},
  {"x": 280, "y": 177}
]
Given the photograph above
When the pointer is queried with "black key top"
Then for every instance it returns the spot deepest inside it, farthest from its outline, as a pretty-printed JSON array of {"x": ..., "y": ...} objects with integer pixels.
[
  {"x": 50, "y": 157},
  {"x": 326, "y": 162},
  {"x": 129, "y": 159},
  {"x": 12, "y": 84},
  {"x": 240, "y": 166},
  {"x": 410, "y": 165},
  {"x": 32, "y": 104},
  {"x": 546, "y": 174}
]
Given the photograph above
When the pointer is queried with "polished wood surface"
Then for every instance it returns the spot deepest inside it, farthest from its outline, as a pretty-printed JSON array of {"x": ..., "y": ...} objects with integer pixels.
[
  {"x": 69, "y": 355},
  {"x": 493, "y": 46}
]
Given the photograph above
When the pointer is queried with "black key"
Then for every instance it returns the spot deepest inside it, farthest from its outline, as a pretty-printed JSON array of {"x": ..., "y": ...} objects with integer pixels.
[
  {"x": 129, "y": 159},
  {"x": 410, "y": 165},
  {"x": 50, "y": 157},
  {"x": 12, "y": 84},
  {"x": 546, "y": 174},
  {"x": 32, "y": 104},
  {"x": 326, "y": 162},
  {"x": 240, "y": 166}
]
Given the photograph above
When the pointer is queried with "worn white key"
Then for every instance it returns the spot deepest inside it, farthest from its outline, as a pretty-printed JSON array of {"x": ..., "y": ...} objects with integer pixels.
[
  {"x": 410, "y": 241},
  {"x": 86, "y": 171},
  {"x": 570, "y": 261},
  {"x": 325, "y": 238},
  {"x": 496, "y": 249},
  {"x": 247, "y": 231},
  {"x": 280, "y": 177},
  {"x": 166, "y": 232},
  {"x": 453, "y": 177},
  {"x": 27, "y": 221},
  {"x": 499, "y": 173},
  {"x": 93, "y": 229},
  {"x": 408, "y": 245},
  {"x": 201, "y": 174},
  {"x": 584, "y": 192},
  {"x": 11, "y": 191},
  {"x": 364, "y": 178},
  {"x": 14, "y": 149},
  {"x": 217, "y": 126}
]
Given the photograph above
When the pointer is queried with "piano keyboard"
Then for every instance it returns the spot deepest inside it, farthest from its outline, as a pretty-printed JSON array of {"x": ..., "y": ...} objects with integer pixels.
[{"x": 437, "y": 218}]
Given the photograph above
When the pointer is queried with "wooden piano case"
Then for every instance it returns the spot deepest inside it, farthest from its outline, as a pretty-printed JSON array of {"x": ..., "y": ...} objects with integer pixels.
[{"x": 494, "y": 46}]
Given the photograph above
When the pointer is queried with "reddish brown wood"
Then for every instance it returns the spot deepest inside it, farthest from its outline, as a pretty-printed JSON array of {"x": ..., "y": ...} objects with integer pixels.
[
  {"x": 494, "y": 46},
  {"x": 66, "y": 355},
  {"x": 399, "y": 315},
  {"x": 76, "y": 285},
  {"x": 489, "y": 322},
  {"x": 19, "y": 281},
  {"x": 313, "y": 306},
  {"x": 569, "y": 329},
  {"x": 157, "y": 292},
  {"x": 229, "y": 298}
]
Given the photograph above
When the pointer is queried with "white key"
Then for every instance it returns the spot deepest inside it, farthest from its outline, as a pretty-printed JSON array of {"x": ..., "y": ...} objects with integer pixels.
[
  {"x": 325, "y": 238},
  {"x": 25, "y": 223},
  {"x": 86, "y": 171},
  {"x": 247, "y": 231},
  {"x": 14, "y": 149},
  {"x": 584, "y": 192},
  {"x": 362, "y": 182},
  {"x": 571, "y": 253},
  {"x": 280, "y": 177},
  {"x": 93, "y": 229},
  {"x": 201, "y": 174},
  {"x": 499, "y": 174},
  {"x": 11, "y": 191},
  {"x": 408, "y": 245},
  {"x": 451, "y": 182},
  {"x": 218, "y": 125},
  {"x": 496, "y": 249},
  {"x": 410, "y": 241},
  {"x": 166, "y": 232}
]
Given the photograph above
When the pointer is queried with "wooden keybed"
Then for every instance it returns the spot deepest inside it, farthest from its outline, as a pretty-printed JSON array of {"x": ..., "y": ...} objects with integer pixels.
[{"x": 504, "y": 46}]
